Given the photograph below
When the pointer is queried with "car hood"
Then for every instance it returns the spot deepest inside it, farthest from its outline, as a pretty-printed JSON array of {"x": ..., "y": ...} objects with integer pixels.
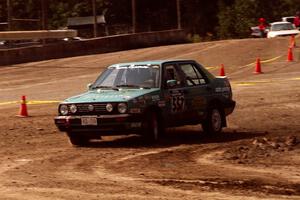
[{"x": 99, "y": 96}]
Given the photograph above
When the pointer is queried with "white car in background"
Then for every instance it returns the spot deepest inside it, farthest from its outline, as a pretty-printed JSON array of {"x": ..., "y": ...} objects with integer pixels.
[
  {"x": 288, "y": 19},
  {"x": 282, "y": 29}
]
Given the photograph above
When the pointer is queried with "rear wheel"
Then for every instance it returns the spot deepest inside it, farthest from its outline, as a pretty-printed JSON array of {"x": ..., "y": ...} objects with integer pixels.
[
  {"x": 77, "y": 139},
  {"x": 214, "y": 121}
]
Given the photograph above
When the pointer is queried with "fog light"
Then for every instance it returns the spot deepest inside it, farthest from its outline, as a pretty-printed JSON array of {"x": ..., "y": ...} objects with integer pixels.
[
  {"x": 73, "y": 108},
  {"x": 90, "y": 108},
  {"x": 122, "y": 108},
  {"x": 109, "y": 107}
]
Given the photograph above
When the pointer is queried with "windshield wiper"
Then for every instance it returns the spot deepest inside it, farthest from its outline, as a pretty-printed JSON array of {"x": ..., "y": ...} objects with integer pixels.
[
  {"x": 105, "y": 87},
  {"x": 133, "y": 86},
  {"x": 128, "y": 85}
]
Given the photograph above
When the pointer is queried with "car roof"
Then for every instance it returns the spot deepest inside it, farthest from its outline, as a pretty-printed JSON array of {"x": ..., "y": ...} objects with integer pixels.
[
  {"x": 288, "y": 17},
  {"x": 274, "y": 23},
  {"x": 152, "y": 62}
]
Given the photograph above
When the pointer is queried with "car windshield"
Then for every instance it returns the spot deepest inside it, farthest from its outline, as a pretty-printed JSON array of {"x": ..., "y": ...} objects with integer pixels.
[
  {"x": 129, "y": 76},
  {"x": 282, "y": 27}
]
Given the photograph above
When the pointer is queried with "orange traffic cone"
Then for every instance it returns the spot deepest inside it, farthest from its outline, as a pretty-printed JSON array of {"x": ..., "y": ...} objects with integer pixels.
[
  {"x": 290, "y": 57},
  {"x": 23, "y": 108},
  {"x": 292, "y": 41},
  {"x": 258, "y": 67},
  {"x": 222, "y": 70}
]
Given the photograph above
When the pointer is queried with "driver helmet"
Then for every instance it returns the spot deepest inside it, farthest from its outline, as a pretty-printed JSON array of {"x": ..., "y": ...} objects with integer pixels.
[{"x": 261, "y": 20}]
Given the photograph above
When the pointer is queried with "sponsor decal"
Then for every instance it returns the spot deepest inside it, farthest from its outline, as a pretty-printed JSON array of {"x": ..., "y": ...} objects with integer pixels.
[
  {"x": 177, "y": 102},
  {"x": 135, "y": 110},
  {"x": 155, "y": 98},
  {"x": 222, "y": 89},
  {"x": 161, "y": 104},
  {"x": 218, "y": 89},
  {"x": 130, "y": 67},
  {"x": 176, "y": 92},
  {"x": 226, "y": 89},
  {"x": 136, "y": 125}
]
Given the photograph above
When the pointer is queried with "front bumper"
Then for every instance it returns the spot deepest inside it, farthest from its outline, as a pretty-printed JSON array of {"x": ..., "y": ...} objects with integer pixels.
[{"x": 102, "y": 124}]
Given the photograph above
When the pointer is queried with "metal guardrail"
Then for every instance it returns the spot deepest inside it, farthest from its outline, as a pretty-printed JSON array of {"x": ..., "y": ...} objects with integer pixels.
[
  {"x": 90, "y": 46},
  {"x": 42, "y": 34}
]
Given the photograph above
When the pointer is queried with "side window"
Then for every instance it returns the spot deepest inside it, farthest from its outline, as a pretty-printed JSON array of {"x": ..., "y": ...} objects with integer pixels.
[
  {"x": 192, "y": 75},
  {"x": 170, "y": 73}
]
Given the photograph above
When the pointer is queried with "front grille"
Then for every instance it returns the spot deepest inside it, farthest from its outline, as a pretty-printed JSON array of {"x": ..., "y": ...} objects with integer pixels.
[
  {"x": 83, "y": 109},
  {"x": 100, "y": 107}
]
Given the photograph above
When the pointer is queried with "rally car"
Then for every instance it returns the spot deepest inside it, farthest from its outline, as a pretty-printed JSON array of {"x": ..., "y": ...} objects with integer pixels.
[{"x": 145, "y": 98}]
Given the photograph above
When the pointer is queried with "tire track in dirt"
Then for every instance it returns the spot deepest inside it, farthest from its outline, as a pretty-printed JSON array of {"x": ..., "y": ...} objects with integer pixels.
[
  {"x": 238, "y": 181},
  {"x": 290, "y": 174},
  {"x": 72, "y": 171}
]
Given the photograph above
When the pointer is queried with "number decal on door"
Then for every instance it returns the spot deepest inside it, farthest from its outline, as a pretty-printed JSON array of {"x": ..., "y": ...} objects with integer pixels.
[{"x": 177, "y": 103}]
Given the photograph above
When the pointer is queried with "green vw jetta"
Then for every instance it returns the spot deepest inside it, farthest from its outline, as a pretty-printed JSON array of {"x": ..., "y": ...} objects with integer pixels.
[{"x": 145, "y": 98}]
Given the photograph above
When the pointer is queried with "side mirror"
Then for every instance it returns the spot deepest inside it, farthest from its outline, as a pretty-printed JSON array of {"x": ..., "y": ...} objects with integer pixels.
[
  {"x": 171, "y": 83},
  {"x": 89, "y": 86}
]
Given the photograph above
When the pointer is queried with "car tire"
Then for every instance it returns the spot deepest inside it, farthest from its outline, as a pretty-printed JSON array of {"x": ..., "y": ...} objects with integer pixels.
[
  {"x": 153, "y": 127},
  {"x": 213, "y": 123},
  {"x": 77, "y": 139}
]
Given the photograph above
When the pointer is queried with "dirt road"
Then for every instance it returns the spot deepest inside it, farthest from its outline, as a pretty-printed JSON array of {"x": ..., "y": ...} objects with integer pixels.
[{"x": 256, "y": 157}]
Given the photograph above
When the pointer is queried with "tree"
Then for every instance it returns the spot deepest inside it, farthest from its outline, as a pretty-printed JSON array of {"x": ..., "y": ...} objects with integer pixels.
[
  {"x": 236, "y": 19},
  {"x": 208, "y": 19},
  {"x": 200, "y": 17},
  {"x": 61, "y": 10},
  {"x": 226, "y": 16}
]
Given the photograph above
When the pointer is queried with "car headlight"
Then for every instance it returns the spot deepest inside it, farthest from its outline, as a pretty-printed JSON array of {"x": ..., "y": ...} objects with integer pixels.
[
  {"x": 122, "y": 108},
  {"x": 73, "y": 108},
  {"x": 63, "y": 109},
  {"x": 109, "y": 107},
  {"x": 90, "y": 107}
]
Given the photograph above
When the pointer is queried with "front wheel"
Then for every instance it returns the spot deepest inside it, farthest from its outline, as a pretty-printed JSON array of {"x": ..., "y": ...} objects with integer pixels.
[
  {"x": 153, "y": 127},
  {"x": 214, "y": 121}
]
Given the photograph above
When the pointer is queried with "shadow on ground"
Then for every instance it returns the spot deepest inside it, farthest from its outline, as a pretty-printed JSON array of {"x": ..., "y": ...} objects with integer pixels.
[{"x": 174, "y": 137}]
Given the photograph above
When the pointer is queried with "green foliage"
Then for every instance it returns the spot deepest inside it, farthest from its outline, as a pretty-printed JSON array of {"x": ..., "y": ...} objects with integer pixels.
[
  {"x": 199, "y": 17},
  {"x": 227, "y": 20},
  {"x": 58, "y": 14},
  {"x": 61, "y": 10},
  {"x": 236, "y": 19},
  {"x": 205, "y": 20}
]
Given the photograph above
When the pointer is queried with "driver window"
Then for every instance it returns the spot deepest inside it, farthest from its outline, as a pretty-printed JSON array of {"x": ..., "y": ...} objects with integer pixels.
[{"x": 170, "y": 73}]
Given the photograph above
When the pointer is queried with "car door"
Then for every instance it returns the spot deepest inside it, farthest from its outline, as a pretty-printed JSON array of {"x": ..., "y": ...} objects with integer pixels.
[
  {"x": 174, "y": 95},
  {"x": 197, "y": 91}
]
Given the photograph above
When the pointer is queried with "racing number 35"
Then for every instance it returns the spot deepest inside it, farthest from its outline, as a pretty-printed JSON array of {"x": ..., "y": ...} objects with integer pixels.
[{"x": 177, "y": 103}]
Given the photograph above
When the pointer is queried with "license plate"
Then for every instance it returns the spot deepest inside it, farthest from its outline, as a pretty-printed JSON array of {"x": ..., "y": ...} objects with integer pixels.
[{"x": 89, "y": 121}]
